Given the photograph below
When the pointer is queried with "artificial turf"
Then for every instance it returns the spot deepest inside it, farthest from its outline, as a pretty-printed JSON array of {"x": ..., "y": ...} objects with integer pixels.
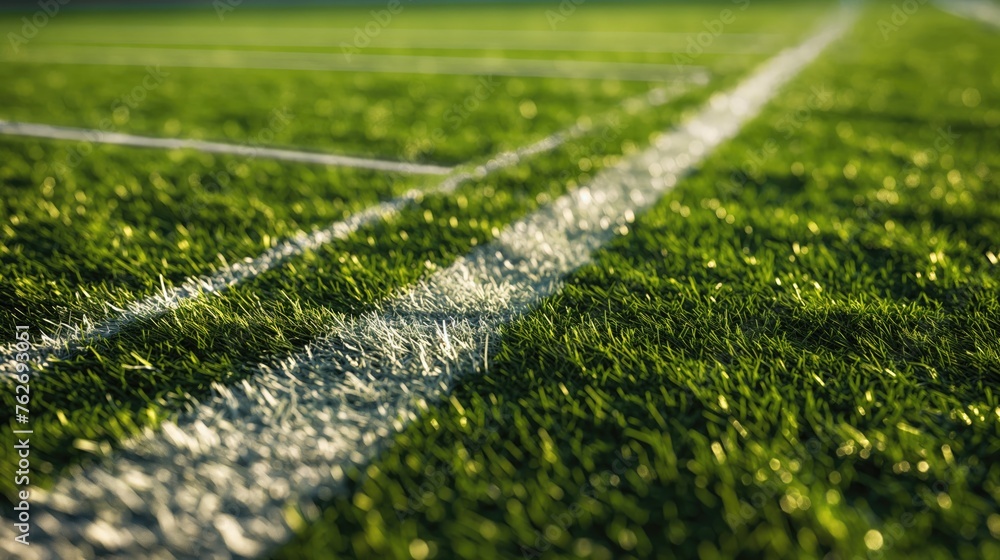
[
  {"x": 439, "y": 119},
  {"x": 795, "y": 353},
  {"x": 795, "y": 357},
  {"x": 123, "y": 222},
  {"x": 127, "y": 221},
  {"x": 87, "y": 225},
  {"x": 110, "y": 388}
]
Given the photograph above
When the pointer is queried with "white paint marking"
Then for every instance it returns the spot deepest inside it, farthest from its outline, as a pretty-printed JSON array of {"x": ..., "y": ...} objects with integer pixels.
[
  {"x": 383, "y": 63},
  {"x": 275, "y": 441},
  {"x": 61, "y": 344},
  {"x": 102, "y": 137}
]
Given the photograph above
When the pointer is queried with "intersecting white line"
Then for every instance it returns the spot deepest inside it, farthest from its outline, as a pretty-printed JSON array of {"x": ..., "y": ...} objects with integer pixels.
[
  {"x": 230, "y": 275},
  {"x": 36, "y": 130},
  {"x": 382, "y": 63},
  {"x": 218, "y": 481}
]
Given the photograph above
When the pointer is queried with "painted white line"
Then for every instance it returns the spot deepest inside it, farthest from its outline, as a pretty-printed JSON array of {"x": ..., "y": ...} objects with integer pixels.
[
  {"x": 980, "y": 10},
  {"x": 217, "y": 482},
  {"x": 101, "y": 137},
  {"x": 463, "y": 39},
  {"x": 72, "y": 336},
  {"x": 337, "y": 62}
]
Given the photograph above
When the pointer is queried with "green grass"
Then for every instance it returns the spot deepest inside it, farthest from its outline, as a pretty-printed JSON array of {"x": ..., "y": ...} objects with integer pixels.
[
  {"x": 106, "y": 233},
  {"x": 154, "y": 366},
  {"x": 357, "y": 113},
  {"x": 635, "y": 16},
  {"x": 121, "y": 219},
  {"x": 125, "y": 218},
  {"x": 89, "y": 225},
  {"x": 796, "y": 349},
  {"x": 803, "y": 364}
]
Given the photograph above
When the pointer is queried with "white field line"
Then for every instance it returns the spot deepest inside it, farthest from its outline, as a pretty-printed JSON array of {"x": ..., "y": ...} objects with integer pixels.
[
  {"x": 72, "y": 336},
  {"x": 383, "y": 63},
  {"x": 220, "y": 480},
  {"x": 101, "y": 137},
  {"x": 461, "y": 39},
  {"x": 980, "y": 10}
]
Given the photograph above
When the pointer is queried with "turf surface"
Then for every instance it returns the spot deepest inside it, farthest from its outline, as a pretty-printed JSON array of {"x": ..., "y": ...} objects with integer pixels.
[
  {"x": 795, "y": 353},
  {"x": 440, "y": 118},
  {"x": 125, "y": 218},
  {"x": 800, "y": 363},
  {"x": 159, "y": 363},
  {"x": 105, "y": 235}
]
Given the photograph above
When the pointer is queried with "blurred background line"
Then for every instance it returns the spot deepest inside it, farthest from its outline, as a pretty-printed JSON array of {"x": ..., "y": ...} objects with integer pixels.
[
  {"x": 464, "y": 39},
  {"x": 102, "y": 137},
  {"x": 199, "y": 58}
]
